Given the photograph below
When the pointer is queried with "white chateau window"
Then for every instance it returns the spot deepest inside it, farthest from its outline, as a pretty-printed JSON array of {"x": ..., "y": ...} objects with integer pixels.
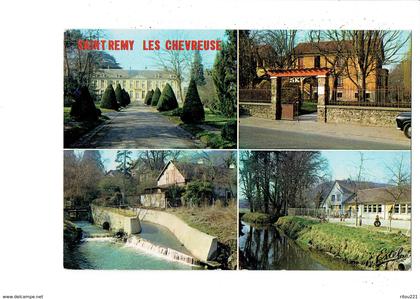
[
  {"x": 396, "y": 208},
  {"x": 403, "y": 209},
  {"x": 365, "y": 208},
  {"x": 409, "y": 208},
  {"x": 379, "y": 208}
]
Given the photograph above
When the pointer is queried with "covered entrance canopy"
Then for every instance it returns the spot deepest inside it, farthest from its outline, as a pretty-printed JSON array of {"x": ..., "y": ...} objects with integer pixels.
[
  {"x": 311, "y": 72},
  {"x": 277, "y": 75}
]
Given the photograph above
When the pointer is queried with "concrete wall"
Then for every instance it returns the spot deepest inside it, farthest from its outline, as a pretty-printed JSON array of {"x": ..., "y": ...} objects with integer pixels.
[
  {"x": 371, "y": 116},
  {"x": 155, "y": 200},
  {"x": 201, "y": 245},
  {"x": 130, "y": 225}
]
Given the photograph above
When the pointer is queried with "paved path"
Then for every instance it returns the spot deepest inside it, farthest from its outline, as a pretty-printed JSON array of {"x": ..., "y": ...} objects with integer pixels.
[
  {"x": 397, "y": 224},
  {"x": 277, "y": 134},
  {"x": 140, "y": 127}
]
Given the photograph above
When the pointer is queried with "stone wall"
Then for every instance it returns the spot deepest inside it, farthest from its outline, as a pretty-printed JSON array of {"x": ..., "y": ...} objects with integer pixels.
[
  {"x": 263, "y": 110},
  {"x": 201, "y": 245},
  {"x": 130, "y": 225},
  {"x": 370, "y": 116}
]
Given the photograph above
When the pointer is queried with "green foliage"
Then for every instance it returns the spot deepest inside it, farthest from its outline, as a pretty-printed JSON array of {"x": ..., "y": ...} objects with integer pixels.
[
  {"x": 173, "y": 195},
  {"x": 84, "y": 107},
  {"x": 167, "y": 100},
  {"x": 193, "y": 110},
  {"x": 119, "y": 95},
  {"x": 248, "y": 58},
  {"x": 109, "y": 100},
  {"x": 156, "y": 97},
  {"x": 229, "y": 131},
  {"x": 197, "y": 70},
  {"x": 125, "y": 98},
  {"x": 256, "y": 217},
  {"x": 148, "y": 98},
  {"x": 224, "y": 75},
  {"x": 198, "y": 193}
]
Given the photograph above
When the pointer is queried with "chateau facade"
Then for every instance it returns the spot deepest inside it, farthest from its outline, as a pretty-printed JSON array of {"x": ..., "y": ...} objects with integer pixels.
[
  {"x": 136, "y": 82},
  {"x": 323, "y": 55}
]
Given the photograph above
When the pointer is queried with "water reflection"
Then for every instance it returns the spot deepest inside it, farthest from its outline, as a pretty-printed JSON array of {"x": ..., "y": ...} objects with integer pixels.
[{"x": 266, "y": 248}]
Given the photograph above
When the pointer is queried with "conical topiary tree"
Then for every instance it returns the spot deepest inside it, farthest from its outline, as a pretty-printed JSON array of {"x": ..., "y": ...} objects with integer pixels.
[
  {"x": 167, "y": 100},
  {"x": 119, "y": 95},
  {"x": 193, "y": 110},
  {"x": 156, "y": 96},
  {"x": 125, "y": 98},
  {"x": 148, "y": 98},
  {"x": 84, "y": 107},
  {"x": 109, "y": 101}
]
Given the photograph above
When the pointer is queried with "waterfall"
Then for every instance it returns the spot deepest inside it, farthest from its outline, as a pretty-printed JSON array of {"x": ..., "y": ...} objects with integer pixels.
[
  {"x": 159, "y": 251},
  {"x": 98, "y": 239}
]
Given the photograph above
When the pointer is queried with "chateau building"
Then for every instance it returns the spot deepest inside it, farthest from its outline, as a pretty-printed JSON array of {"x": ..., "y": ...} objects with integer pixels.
[
  {"x": 136, "y": 82},
  {"x": 310, "y": 56},
  {"x": 324, "y": 55}
]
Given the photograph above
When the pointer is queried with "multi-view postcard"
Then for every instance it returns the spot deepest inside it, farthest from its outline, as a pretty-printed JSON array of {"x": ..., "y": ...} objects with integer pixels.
[
  {"x": 150, "y": 89},
  {"x": 156, "y": 178}
]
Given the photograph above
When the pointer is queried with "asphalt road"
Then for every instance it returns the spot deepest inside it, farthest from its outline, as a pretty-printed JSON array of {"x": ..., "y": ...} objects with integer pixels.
[
  {"x": 138, "y": 126},
  {"x": 262, "y": 138}
]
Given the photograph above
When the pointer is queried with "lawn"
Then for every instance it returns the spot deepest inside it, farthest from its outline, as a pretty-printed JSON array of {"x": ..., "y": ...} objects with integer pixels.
[
  {"x": 209, "y": 131},
  {"x": 307, "y": 108}
]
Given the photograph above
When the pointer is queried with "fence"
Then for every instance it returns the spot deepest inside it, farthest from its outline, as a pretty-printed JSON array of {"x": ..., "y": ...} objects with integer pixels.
[
  {"x": 255, "y": 95},
  {"x": 316, "y": 213},
  {"x": 389, "y": 97}
]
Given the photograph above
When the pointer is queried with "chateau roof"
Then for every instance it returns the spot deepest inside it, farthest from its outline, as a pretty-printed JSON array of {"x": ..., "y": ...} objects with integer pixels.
[
  {"x": 133, "y": 74},
  {"x": 323, "y": 46}
]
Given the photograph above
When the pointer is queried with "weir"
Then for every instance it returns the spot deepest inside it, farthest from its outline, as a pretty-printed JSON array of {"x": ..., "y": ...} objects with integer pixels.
[{"x": 162, "y": 252}]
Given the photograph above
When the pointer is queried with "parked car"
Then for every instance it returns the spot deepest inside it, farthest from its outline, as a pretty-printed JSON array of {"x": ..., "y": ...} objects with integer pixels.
[{"x": 404, "y": 123}]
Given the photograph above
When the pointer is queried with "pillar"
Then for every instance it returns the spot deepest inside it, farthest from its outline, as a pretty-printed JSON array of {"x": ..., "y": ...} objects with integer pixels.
[
  {"x": 322, "y": 98},
  {"x": 275, "y": 98}
]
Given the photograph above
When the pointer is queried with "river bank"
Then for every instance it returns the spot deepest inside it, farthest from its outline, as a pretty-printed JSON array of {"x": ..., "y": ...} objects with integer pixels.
[
  {"x": 264, "y": 247},
  {"x": 361, "y": 247}
]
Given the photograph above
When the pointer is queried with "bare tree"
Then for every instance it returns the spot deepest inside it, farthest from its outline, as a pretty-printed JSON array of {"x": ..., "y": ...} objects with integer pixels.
[
  {"x": 356, "y": 182},
  {"x": 400, "y": 180},
  {"x": 176, "y": 63},
  {"x": 335, "y": 53},
  {"x": 283, "y": 43}
]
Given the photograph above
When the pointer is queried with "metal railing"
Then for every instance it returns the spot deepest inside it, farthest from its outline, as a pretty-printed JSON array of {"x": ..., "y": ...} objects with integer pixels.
[{"x": 389, "y": 97}]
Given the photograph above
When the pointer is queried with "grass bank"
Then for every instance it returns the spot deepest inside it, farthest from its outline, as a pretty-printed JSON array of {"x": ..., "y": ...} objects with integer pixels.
[
  {"x": 208, "y": 132},
  {"x": 257, "y": 218},
  {"x": 216, "y": 221},
  {"x": 359, "y": 246}
]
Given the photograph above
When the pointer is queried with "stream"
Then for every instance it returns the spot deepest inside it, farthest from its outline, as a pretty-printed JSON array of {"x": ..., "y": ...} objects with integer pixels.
[
  {"x": 104, "y": 253},
  {"x": 266, "y": 248}
]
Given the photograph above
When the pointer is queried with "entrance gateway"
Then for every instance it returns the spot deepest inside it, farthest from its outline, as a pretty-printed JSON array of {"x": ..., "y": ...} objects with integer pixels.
[{"x": 302, "y": 76}]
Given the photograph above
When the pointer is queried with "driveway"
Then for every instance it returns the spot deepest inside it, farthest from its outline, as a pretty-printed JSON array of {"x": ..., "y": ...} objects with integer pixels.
[{"x": 138, "y": 126}]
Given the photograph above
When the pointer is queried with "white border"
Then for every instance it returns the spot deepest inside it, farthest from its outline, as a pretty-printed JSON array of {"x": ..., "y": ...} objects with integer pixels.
[{"x": 31, "y": 151}]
